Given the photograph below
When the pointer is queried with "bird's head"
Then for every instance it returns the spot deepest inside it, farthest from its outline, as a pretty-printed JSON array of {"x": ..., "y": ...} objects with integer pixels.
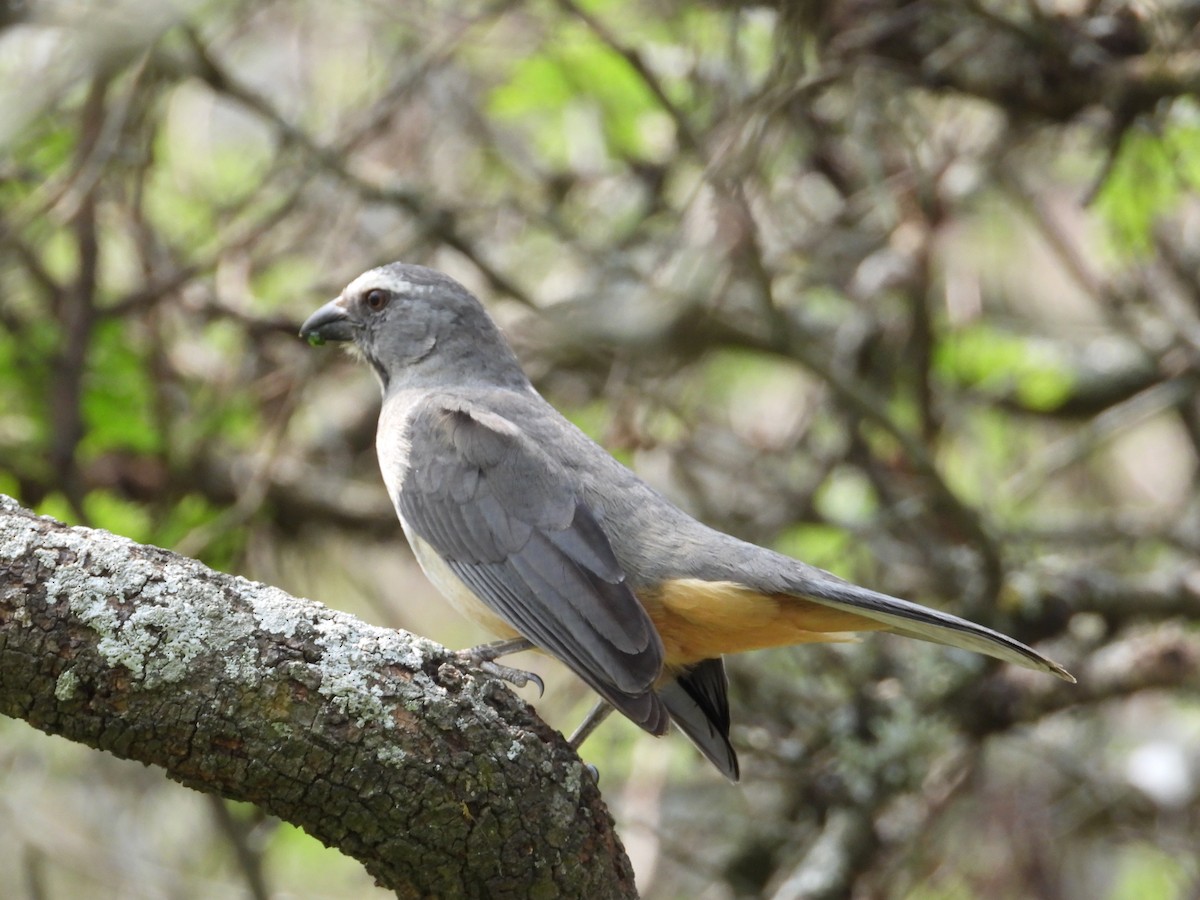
[{"x": 416, "y": 326}]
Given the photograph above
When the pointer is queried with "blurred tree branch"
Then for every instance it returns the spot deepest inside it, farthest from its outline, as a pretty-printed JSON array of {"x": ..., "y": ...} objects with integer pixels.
[{"x": 374, "y": 741}]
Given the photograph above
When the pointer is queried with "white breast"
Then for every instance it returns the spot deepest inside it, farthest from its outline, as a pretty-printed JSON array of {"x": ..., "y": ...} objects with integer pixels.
[
  {"x": 391, "y": 439},
  {"x": 392, "y": 445},
  {"x": 461, "y": 597}
]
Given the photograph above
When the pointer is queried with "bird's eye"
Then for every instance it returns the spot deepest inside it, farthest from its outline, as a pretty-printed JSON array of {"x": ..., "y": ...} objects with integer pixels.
[{"x": 376, "y": 299}]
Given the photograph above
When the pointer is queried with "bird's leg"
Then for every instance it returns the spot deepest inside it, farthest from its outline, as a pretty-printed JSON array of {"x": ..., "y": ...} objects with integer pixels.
[
  {"x": 484, "y": 658},
  {"x": 599, "y": 713}
]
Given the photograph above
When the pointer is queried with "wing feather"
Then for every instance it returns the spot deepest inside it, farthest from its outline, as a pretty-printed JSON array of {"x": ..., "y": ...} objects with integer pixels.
[{"x": 506, "y": 519}]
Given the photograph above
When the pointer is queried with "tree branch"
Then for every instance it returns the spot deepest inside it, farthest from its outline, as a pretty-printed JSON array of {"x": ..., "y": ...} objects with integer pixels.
[{"x": 372, "y": 740}]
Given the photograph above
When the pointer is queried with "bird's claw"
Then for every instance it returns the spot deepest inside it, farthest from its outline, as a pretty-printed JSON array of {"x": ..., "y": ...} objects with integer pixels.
[
  {"x": 515, "y": 677},
  {"x": 484, "y": 658}
]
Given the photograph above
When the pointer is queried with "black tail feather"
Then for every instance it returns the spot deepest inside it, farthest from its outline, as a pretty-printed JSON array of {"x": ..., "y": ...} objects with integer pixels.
[{"x": 698, "y": 701}]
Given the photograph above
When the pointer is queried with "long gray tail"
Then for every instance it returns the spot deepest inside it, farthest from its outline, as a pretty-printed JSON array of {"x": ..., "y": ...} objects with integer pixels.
[{"x": 921, "y": 622}]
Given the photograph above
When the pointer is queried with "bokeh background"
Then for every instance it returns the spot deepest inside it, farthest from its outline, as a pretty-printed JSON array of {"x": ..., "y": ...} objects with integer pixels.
[{"x": 910, "y": 290}]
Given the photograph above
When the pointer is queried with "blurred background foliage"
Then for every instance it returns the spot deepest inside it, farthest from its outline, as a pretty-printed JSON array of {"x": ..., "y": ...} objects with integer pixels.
[{"x": 907, "y": 288}]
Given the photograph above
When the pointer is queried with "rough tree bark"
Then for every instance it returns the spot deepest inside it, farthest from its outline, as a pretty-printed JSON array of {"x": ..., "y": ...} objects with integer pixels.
[{"x": 374, "y": 741}]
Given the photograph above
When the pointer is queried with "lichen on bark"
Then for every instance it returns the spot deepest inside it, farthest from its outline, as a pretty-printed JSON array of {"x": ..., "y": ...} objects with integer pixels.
[{"x": 440, "y": 782}]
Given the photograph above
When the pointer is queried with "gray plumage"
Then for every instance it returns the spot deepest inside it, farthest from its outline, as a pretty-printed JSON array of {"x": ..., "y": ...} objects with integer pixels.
[{"x": 508, "y": 503}]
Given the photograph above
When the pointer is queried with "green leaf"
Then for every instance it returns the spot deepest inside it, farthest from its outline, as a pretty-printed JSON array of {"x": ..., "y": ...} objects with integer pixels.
[
  {"x": 186, "y": 514},
  {"x": 538, "y": 85},
  {"x": 1149, "y": 179},
  {"x": 280, "y": 283},
  {"x": 124, "y": 517},
  {"x": 552, "y": 93},
  {"x": 118, "y": 399},
  {"x": 55, "y": 506},
  {"x": 999, "y": 362},
  {"x": 9, "y": 485},
  {"x": 1143, "y": 870},
  {"x": 826, "y": 546}
]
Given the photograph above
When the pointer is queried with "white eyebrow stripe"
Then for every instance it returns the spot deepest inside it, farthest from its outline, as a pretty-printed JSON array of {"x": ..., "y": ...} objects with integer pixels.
[{"x": 379, "y": 278}]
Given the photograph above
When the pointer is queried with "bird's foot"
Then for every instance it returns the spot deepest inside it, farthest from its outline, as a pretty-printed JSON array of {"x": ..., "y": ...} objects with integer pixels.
[
  {"x": 484, "y": 658},
  {"x": 599, "y": 713}
]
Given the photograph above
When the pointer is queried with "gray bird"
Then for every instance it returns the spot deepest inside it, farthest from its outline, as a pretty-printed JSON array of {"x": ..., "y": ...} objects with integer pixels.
[{"x": 534, "y": 531}]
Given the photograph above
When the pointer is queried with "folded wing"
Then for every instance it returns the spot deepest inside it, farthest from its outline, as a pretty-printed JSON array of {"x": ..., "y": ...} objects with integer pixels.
[{"x": 509, "y": 524}]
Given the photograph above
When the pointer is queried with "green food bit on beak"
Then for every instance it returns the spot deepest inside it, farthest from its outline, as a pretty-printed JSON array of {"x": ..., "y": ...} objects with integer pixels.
[{"x": 315, "y": 340}]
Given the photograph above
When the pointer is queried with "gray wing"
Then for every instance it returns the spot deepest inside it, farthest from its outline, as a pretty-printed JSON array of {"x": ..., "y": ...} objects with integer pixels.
[{"x": 507, "y": 521}]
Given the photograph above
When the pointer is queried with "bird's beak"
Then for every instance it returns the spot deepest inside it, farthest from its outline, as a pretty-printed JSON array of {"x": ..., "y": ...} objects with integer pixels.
[{"x": 329, "y": 323}]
